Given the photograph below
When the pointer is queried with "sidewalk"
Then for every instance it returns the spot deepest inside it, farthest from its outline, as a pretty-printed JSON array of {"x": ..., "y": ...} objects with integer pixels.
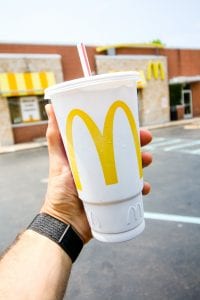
[
  {"x": 193, "y": 123},
  {"x": 189, "y": 124},
  {"x": 24, "y": 146}
]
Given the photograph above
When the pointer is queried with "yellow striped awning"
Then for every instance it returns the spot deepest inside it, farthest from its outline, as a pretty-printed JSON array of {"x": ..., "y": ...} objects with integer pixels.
[{"x": 30, "y": 83}]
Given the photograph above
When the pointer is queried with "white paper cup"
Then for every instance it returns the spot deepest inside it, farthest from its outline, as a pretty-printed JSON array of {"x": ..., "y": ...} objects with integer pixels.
[{"x": 98, "y": 121}]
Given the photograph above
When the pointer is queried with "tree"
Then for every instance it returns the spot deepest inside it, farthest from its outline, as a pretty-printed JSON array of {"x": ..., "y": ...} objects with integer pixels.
[{"x": 157, "y": 42}]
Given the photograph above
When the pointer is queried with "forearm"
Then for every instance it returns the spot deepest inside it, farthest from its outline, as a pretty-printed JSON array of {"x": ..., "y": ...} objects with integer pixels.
[{"x": 34, "y": 268}]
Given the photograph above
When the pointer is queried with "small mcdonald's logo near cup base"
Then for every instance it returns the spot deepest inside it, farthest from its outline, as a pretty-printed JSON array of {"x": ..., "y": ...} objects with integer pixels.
[{"x": 103, "y": 141}]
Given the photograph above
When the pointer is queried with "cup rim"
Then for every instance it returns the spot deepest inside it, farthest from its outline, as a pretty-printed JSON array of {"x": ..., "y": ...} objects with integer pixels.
[{"x": 91, "y": 80}]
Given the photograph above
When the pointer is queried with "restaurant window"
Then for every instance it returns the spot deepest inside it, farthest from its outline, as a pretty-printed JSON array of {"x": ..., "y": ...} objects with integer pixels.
[
  {"x": 15, "y": 112},
  {"x": 42, "y": 103},
  {"x": 27, "y": 109}
]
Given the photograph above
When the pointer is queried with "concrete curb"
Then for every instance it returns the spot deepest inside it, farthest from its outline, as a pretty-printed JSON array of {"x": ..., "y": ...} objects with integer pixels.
[
  {"x": 193, "y": 123},
  {"x": 20, "y": 147}
]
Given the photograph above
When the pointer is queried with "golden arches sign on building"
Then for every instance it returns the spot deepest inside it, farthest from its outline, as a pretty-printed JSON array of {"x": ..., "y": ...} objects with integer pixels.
[
  {"x": 103, "y": 141},
  {"x": 155, "y": 69}
]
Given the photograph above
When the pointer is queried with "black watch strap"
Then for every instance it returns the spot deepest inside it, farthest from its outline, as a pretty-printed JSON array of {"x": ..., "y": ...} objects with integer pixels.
[{"x": 59, "y": 232}]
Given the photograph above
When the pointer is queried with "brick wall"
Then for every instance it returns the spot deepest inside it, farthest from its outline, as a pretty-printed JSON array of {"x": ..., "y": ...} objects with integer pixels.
[
  {"x": 180, "y": 61},
  {"x": 70, "y": 60},
  {"x": 23, "y": 64},
  {"x": 138, "y": 51},
  {"x": 29, "y": 133},
  {"x": 195, "y": 87}
]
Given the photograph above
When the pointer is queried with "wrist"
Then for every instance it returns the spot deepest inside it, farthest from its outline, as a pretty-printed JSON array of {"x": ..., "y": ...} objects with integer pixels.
[
  {"x": 59, "y": 216},
  {"x": 42, "y": 242},
  {"x": 77, "y": 219},
  {"x": 59, "y": 232}
]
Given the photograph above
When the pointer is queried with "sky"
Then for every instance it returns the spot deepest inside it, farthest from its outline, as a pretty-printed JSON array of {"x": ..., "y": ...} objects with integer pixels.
[{"x": 101, "y": 22}]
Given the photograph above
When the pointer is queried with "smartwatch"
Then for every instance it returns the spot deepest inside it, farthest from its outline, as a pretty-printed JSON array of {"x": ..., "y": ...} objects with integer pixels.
[{"x": 61, "y": 233}]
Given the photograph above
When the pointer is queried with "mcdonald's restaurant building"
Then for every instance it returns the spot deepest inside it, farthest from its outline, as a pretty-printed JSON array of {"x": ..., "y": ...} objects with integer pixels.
[
  {"x": 23, "y": 78},
  {"x": 153, "y": 95},
  {"x": 169, "y": 79}
]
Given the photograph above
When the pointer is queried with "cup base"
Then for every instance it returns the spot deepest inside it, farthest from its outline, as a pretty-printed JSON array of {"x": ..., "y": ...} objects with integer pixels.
[{"x": 119, "y": 237}]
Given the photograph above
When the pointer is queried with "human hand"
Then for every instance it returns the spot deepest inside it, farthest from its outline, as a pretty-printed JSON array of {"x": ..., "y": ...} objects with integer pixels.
[{"x": 62, "y": 201}]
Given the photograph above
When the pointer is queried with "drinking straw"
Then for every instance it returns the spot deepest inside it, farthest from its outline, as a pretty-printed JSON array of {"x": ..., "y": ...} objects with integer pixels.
[{"x": 84, "y": 60}]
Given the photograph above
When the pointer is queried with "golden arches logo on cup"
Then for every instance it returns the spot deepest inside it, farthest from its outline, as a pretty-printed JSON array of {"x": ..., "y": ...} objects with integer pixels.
[{"x": 103, "y": 141}]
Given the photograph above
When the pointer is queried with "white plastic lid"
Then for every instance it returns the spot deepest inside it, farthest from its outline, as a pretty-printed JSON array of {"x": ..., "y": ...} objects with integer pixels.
[{"x": 90, "y": 81}]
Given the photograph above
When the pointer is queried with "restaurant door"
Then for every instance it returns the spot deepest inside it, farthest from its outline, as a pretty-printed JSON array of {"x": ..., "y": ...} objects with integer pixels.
[{"x": 187, "y": 102}]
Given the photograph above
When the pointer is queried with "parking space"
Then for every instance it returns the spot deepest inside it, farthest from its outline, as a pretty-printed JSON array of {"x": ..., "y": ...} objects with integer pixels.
[{"x": 162, "y": 263}]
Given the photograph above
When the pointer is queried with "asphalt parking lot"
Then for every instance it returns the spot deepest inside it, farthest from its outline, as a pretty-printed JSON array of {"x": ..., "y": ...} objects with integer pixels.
[{"x": 162, "y": 263}]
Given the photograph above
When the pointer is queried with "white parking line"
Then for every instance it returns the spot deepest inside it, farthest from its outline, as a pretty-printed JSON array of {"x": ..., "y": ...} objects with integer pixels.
[
  {"x": 158, "y": 140},
  {"x": 161, "y": 217},
  {"x": 172, "y": 218},
  {"x": 196, "y": 151},
  {"x": 188, "y": 144},
  {"x": 159, "y": 144}
]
